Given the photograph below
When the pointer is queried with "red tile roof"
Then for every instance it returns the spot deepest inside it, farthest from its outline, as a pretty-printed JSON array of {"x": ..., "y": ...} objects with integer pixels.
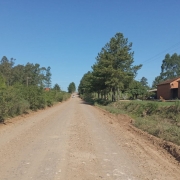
[{"x": 168, "y": 81}]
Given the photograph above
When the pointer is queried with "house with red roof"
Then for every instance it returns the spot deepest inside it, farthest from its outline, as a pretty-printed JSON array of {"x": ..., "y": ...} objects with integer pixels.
[{"x": 169, "y": 89}]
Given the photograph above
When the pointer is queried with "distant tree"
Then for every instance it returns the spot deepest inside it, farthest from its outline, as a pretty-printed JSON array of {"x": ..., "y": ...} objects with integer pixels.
[
  {"x": 86, "y": 83},
  {"x": 156, "y": 81},
  {"x": 48, "y": 77},
  {"x": 6, "y": 69},
  {"x": 136, "y": 88},
  {"x": 144, "y": 81},
  {"x": 18, "y": 74},
  {"x": 38, "y": 76},
  {"x": 57, "y": 87},
  {"x": 71, "y": 87},
  {"x": 114, "y": 68},
  {"x": 170, "y": 66}
]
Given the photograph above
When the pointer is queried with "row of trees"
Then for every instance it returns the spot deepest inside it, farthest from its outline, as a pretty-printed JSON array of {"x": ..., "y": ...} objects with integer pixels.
[
  {"x": 29, "y": 74},
  {"x": 23, "y": 88},
  {"x": 113, "y": 71},
  {"x": 170, "y": 68}
]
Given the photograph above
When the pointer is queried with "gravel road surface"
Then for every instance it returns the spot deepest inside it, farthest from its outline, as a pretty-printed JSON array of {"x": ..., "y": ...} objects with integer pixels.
[{"x": 76, "y": 141}]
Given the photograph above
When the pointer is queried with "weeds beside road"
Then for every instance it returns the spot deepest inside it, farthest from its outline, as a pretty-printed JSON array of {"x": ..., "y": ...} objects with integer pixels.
[{"x": 160, "y": 119}]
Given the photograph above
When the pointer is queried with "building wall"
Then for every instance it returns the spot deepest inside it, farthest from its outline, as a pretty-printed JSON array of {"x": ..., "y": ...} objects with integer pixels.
[
  {"x": 174, "y": 84},
  {"x": 179, "y": 90},
  {"x": 164, "y": 91}
]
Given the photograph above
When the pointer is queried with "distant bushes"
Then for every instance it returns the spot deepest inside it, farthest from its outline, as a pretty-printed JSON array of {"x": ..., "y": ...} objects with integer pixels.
[
  {"x": 19, "y": 99},
  {"x": 88, "y": 97}
]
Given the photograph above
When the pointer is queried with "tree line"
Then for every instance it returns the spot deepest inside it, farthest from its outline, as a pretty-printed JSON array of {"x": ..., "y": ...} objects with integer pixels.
[
  {"x": 29, "y": 74},
  {"x": 114, "y": 71},
  {"x": 24, "y": 87}
]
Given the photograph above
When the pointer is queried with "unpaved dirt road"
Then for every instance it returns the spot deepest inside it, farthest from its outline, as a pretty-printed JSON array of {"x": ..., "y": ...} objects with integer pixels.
[{"x": 76, "y": 141}]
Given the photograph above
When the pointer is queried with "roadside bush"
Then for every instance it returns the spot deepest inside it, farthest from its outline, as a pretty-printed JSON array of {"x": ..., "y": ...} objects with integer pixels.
[
  {"x": 140, "y": 110},
  {"x": 151, "y": 108},
  {"x": 88, "y": 97},
  {"x": 53, "y": 96},
  {"x": 65, "y": 96},
  {"x": 22, "y": 106},
  {"x": 35, "y": 96},
  {"x": 103, "y": 102},
  {"x": 11, "y": 103},
  {"x": 59, "y": 97},
  {"x": 177, "y": 106},
  {"x": 18, "y": 99}
]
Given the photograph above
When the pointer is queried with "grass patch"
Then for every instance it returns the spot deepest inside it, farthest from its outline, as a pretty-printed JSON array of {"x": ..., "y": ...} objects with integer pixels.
[{"x": 160, "y": 119}]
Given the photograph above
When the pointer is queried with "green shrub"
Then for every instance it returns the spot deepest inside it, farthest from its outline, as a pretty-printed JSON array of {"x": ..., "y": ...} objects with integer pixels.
[
  {"x": 18, "y": 99},
  {"x": 177, "y": 105},
  {"x": 11, "y": 103},
  {"x": 151, "y": 108}
]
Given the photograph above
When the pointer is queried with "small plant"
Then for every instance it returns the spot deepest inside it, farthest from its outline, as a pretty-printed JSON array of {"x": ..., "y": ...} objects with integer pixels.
[
  {"x": 177, "y": 105},
  {"x": 151, "y": 108}
]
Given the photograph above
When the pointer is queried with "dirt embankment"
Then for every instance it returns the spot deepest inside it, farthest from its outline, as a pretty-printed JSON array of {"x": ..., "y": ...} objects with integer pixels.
[{"x": 170, "y": 147}]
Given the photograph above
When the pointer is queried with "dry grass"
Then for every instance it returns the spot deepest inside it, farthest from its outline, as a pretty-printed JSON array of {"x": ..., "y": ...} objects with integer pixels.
[{"x": 160, "y": 119}]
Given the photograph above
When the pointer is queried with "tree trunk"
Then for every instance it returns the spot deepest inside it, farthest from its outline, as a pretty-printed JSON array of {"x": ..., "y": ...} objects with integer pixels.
[
  {"x": 118, "y": 94},
  {"x": 98, "y": 95}
]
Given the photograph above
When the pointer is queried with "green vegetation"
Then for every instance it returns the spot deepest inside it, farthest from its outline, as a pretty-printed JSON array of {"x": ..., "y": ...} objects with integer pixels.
[
  {"x": 24, "y": 88},
  {"x": 160, "y": 119},
  {"x": 112, "y": 78},
  {"x": 71, "y": 87},
  {"x": 170, "y": 68},
  {"x": 113, "y": 71}
]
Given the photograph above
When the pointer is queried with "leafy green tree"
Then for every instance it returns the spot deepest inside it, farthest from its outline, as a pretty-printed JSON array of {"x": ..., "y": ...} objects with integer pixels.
[
  {"x": 144, "y": 81},
  {"x": 48, "y": 77},
  {"x": 18, "y": 74},
  {"x": 57, "y": 87},
  {"x": 34, "y": 75},
  {"x": 6, "y": 69},
  {"x": 86, "y": 83},
  {"x": 114, "y": 67},
  {"x": 170, "y": 68},
  {"x": 136, "y": 88},
  {"x": 156, "y": 81},
  {"x": 71, "y": 87},
  {"x": 37, "y": 76}
]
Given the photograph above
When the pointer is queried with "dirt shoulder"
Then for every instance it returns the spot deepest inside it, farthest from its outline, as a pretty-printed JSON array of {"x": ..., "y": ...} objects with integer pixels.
[{"x": 170, "y": 149}]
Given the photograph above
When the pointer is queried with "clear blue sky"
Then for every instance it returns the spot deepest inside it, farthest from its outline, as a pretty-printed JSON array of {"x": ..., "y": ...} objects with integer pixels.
[{"x": 68, "y": 34}]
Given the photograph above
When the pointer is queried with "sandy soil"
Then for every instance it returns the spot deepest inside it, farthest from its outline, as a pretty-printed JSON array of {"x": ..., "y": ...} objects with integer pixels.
[{"x": 76, "y": 141}]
